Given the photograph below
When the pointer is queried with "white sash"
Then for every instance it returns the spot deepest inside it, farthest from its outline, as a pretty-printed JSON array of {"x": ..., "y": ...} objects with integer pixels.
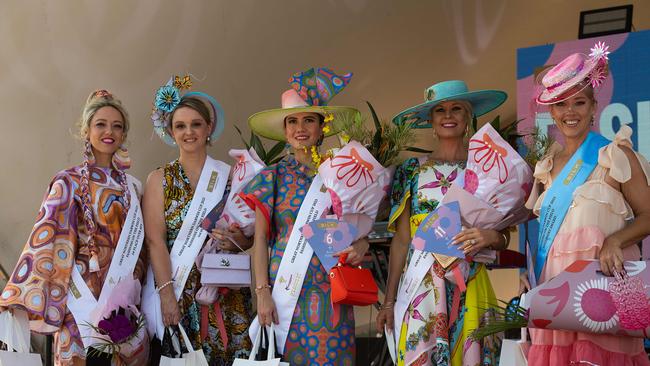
[
  {"x": 418, "y": 267},
  {"x": 209, "y": 191},
  {"x": 295, "y": 262},
  {"x": 81, "y": 301}
]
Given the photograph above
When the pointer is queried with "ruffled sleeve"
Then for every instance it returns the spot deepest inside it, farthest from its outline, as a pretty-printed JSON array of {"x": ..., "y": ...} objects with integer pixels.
[
  {"x": 260, "y": 193},
  {"x": 39, "y": 283},
  {"x": 542, "y": 175},
  {"x": 401, "y": 189},
  {"x": 613, "y": 158}
]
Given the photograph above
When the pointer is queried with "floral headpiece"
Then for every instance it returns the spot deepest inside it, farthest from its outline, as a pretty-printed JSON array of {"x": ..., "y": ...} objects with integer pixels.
[
  {"x": 102, "y": 93},
  {"x": 169, "y": 96}
]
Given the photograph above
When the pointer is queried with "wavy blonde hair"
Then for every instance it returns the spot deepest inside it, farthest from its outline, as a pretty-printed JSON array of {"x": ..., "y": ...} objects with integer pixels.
[{"x": 95, "y": 101}]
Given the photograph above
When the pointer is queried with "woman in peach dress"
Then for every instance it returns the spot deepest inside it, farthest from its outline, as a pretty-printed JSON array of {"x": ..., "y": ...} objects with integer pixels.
[{"x": 605, "y": 214}]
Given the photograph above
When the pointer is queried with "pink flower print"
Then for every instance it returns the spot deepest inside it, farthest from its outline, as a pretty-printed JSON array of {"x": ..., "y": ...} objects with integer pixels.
[
  {"x": 489, "y": 155},
  {"x": 239, "y": 171},
  {"x": 559, "y": 295},
  {"x": 415, "y": 314},
  {"x": 352, "y": 168},
  {"x": 443, "y": 182},
  {"x": 337, "y": 205},
  {"x": 471, "y": 181}
]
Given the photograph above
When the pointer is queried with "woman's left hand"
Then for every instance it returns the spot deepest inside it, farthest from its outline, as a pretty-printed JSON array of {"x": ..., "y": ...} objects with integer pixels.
[
  {"x": 355, "y": 252},
  {"x": 474, "y": 239},
  {"x": 611, "y": 257},
  {"x": 234, "y": 233}
]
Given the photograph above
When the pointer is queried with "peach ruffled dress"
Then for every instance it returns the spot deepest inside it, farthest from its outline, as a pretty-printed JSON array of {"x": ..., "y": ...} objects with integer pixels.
[{"x": 598, "y": 210}]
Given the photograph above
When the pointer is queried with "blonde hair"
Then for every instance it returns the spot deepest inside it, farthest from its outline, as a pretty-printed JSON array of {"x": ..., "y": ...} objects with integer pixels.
[{"x": 96, "y": 101}]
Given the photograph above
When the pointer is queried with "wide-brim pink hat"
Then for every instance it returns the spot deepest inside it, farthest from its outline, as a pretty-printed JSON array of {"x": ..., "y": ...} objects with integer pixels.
[{"x": 573, "y": 74}]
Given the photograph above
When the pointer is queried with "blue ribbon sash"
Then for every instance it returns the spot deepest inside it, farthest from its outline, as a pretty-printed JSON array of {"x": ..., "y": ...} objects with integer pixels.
[{"x": 559, "y": 197}]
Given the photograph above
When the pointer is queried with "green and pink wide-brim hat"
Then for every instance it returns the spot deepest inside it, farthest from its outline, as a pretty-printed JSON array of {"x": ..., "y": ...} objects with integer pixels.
[{"x": 310, "y": 91}]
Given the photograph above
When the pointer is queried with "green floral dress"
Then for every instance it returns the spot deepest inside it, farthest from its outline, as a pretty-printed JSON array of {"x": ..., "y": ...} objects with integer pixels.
[{"x": 440, "y": 316}]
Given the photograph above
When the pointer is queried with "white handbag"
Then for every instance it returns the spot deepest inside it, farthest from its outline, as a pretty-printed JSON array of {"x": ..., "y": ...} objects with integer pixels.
[
  {"x": 191, "y": 358},
  {"x": 14, "y": 332},
  {"x": 515, "y": 352},
  {"x": 271, "y": 360}
]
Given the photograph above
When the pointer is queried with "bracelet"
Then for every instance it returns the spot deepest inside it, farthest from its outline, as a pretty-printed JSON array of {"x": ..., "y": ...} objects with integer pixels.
[
  {"x": 387, "y": 305},
  {"x": 159, "y": 288},
  {"x": 261, "y": 287},
  {"x": 505, "y": 241}
]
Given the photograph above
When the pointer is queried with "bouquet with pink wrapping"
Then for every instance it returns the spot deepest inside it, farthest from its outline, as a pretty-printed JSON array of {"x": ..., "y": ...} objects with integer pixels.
[
  {"x": 582, "y": 299},
  {"x": 495, "y": 172},
  {"x": 357, "y": 183},
  {"x": 496, "y": 184},
  {"x": 120, "y": 327},
  {"x": 236, "y": 210}
]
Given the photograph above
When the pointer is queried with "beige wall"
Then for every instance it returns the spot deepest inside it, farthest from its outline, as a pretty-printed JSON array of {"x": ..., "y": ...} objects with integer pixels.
[{"x": 53, "y": 53}]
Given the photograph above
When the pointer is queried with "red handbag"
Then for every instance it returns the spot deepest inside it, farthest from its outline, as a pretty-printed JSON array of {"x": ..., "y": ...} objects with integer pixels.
[{"x": 352, "y": 286}]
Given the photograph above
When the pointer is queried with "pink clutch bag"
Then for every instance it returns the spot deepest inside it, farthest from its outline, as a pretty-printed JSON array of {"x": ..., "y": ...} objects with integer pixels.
[{"x": 226, "y": 270}]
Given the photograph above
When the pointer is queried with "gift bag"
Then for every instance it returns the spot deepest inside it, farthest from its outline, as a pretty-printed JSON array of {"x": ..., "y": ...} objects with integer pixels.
[
  {"x": 226, "y": 270},
  {"x": 190, "y": 358},
  {"x": 271, "y": 359},
  {"x": 14, "y": 332}
]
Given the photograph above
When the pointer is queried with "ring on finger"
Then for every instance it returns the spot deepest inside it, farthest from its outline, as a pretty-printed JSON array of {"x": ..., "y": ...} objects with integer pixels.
[{"x": 472, "y": 241}]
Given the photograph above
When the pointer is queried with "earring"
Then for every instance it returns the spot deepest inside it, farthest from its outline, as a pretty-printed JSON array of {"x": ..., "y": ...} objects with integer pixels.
[
  {"x": 208, "y": 138},
  {"x": 88, "y": 148},
  {"x": 320, "y": 140},
  {"x": 592, "y": 120}
]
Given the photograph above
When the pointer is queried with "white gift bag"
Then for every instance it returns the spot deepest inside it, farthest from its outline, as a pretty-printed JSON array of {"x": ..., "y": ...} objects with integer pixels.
[
  {"x": 270, "y": 357},
  {"x": 14, "y": 332},
  {"x": 515, "y": 352},
  {"x": 191, "y": 358}
]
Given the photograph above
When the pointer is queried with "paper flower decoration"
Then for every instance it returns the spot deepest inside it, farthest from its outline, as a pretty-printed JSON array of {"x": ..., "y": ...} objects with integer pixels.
[
  {"x": 600, "y": 51},
  {"x": 167, "y": 98}
]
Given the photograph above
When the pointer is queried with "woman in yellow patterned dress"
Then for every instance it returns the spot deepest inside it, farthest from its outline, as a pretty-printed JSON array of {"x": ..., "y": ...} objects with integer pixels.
[
  {"x": 194, "y": 121},
  {"x": 440, "y": 317}
]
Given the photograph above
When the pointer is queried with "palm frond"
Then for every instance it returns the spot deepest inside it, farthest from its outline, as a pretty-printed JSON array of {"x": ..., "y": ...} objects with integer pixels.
[
  {"x": 507, "y": 316},
  {"x": 537, "y": 145}
]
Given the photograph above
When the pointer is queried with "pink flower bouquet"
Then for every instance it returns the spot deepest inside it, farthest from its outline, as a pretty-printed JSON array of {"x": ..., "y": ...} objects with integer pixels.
[
  {"x": 247, "y": 165},
  {"x": 582, "y": 299},
  {"x": 357, "y": 183}
]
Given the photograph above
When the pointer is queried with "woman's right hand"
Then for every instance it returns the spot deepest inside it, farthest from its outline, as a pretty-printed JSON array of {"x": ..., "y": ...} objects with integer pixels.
[
  {"x": 171, "y": 313},
  {"x": 266, "y": 312},
  {"x": 524, "y": 285},
  {"x": 385, "y": 317}
]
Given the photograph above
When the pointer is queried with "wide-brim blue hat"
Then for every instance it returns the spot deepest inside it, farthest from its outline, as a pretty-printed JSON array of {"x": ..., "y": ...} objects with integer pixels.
[{"x": 482, "y": 101}]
